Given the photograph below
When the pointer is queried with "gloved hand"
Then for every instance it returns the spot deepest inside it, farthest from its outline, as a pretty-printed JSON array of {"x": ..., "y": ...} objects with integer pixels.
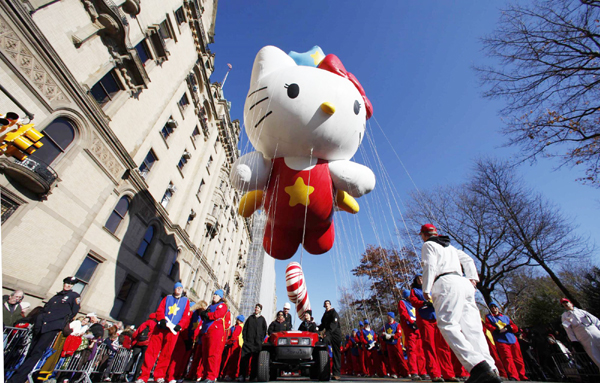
[
  {"x": 505, "y": 329},
  {"x": 370, "y": 346},
  {"x": 388, "y": 336},
  {"x": 204, "y": 316},
  {"x": 189, "y": 343},
  {"x": 177, "y": 328},
  {"x": 414, "y": 326},
  {"x": 162, "y": 323}
]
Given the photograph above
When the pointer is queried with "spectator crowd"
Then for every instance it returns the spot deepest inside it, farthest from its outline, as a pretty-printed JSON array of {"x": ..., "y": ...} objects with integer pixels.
[{"x": 183, "y": 340}]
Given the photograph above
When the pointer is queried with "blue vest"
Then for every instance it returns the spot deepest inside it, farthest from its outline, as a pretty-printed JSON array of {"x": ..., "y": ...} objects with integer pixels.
[
  {"x": 425, "y": 312},
  {"x": 366, "y": 334},
  {"x": 391, "y": 329},
  {"x": 502, "y": 321},
  {"x": 194, "y": 323},
  {"x": 412, "y": 312},
  {"x": 175, "y": 308},
  {"x": 211, "y": 309}
]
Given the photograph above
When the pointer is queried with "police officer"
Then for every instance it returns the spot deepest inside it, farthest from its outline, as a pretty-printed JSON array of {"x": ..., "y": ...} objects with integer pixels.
[
  {"x": 57, "y": 313},
  {"x": 330, "y": 325}
]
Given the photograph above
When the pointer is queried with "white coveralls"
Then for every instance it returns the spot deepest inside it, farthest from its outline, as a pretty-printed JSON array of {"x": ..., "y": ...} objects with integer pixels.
[
  {"x": 453, "y": 298},
  {"x": 583, "y": 327}
]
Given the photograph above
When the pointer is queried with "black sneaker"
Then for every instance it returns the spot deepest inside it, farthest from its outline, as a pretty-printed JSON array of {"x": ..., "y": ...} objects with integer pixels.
[{"x": 483, "y": 373}]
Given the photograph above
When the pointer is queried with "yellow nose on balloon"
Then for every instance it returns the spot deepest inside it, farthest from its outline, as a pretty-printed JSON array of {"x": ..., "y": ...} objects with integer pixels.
[{"x": 328, "y": 108}]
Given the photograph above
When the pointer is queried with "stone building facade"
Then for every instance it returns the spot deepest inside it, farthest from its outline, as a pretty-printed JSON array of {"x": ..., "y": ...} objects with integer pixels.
[{"x": 130, "y": 190}]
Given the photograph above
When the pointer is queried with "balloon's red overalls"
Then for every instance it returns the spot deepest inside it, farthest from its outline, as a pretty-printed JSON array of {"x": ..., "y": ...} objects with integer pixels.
[{"x": 299, "y": 206}]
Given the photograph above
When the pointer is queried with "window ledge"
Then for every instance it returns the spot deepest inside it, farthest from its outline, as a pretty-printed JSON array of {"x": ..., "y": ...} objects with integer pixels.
[
  {"x": 116, "y": 103},
  {"x": 111, "y": 233}
]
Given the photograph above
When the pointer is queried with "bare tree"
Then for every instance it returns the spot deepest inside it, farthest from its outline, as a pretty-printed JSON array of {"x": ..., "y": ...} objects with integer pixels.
[
  {"x": 503, "y": 224},
  {"x": 473, "y": 225},
  {"x": 549, "y": 74},
  {"x": 534, "y": 225}
]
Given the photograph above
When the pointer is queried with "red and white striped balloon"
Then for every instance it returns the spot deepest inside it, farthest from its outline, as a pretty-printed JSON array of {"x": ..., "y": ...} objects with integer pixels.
[{"x": 296, "y": 288}]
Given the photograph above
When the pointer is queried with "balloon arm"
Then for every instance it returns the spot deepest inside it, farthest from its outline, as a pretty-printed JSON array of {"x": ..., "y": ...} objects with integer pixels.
[
  {"x": 250, "y": 172},
  {"x": 355, "y": 179}
]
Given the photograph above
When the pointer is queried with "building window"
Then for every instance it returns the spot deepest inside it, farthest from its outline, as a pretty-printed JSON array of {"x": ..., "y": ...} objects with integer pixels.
[
  {"x": 146, "y": 242},
  {"x": 168, "y": 195},
  {"x": 147, "y": 164},
  {"x": 184, "y": 159},
  {"x": 210, "y": 161},
  {"x": 58, "y": 135},
  {"x": 85, "y": 273},
  {"x": 105, "y": 89},
  {"x": 142, "y": 51},
  {"x": 122, "y": 296},
  {"x": 164, "y": 30},
  {"x": 180, "y": 16},
  {"x": 174, "y": 267},
  {"x": 195, "y": 133},
  {"x": 184, "y": 101},
  {"x": 169, "y": 128},
  {"x": 217, "y": 143},
  {"x": 8, "y": 207},
  {"x": 202, "y": 183},
  {"x": 117, "y": 215}
]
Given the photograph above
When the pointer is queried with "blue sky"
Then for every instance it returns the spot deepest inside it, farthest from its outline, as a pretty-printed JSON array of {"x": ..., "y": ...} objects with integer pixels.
[{"x": 414, "y": 60}]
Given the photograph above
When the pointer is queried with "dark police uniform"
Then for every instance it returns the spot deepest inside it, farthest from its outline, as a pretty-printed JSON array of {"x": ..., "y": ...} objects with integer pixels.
[
  {"x": 57, "y": 313},
  {"x": 330, "y": 322}
]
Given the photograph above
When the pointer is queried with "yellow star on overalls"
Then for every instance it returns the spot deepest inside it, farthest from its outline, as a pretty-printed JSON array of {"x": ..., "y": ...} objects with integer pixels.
[
  {"x": 299, "y": 192},
  {"x": 173, "y": 309},
  {"x": 370, "y": 337}
]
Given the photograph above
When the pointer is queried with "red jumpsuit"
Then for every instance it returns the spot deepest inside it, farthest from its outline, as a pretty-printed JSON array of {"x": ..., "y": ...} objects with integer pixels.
[
  {"x": 355, "y": 353},
  {"x": 437, "y": 353},
  {"x": 394, "y": 348},
  {"x": 213, "y": 340},
  {"x": 507, "y": 344},
  {"x": 180, "y": 357},
  {"x": 299, "y": 206},
  {"x": 232, "y": 363},
  {"x": 366, "y": 354},
  {"x": 163, "y": 340},
  {"x": 493, "y": 352},
  {"x": 412, "y": 338}
]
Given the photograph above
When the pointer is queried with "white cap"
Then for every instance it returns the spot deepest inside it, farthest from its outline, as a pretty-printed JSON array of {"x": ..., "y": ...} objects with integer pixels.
[
  {"x": 91, "y": 315},
  {"x": 287, "y": 305}
]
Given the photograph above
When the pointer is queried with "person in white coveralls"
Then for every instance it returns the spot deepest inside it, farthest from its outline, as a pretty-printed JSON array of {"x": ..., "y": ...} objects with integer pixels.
[
  {"x": 453, "y": 298},
  {"x": 582, "y": 327}
]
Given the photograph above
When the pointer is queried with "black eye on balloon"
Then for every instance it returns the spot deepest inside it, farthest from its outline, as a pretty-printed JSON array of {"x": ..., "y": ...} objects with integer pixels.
[
  {"x": 356, "y": 107},
  {"x": 293, "y": 90}
]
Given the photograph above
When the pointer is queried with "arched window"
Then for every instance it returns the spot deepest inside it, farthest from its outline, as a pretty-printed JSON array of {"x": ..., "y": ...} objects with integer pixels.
[
  {"x": 146, "y": 242},
  {"x": 57, "y": 137},
  {"x": 117, "y": 215}
]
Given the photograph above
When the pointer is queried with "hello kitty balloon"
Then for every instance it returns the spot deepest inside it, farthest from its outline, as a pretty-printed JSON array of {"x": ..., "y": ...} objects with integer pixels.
[{"x": 305, "y": 115}]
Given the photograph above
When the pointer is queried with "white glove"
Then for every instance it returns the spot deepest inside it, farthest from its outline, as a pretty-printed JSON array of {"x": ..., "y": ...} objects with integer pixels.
[{"x": 388, "y": 336}]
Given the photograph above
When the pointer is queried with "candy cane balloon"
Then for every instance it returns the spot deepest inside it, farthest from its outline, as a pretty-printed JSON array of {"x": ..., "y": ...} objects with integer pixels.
[{"x": 296, "y": 288}]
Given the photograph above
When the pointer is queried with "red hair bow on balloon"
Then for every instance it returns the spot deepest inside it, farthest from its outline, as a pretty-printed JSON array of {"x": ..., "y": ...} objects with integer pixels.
[{"x": 333, "y": 64}]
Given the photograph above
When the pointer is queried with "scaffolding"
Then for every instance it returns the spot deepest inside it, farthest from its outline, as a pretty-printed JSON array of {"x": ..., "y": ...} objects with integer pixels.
[{"x": 256, "y": 258}]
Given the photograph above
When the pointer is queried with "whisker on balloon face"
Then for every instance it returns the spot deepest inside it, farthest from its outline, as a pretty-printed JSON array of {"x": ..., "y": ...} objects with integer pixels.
[
  {"x": 266, "y": 98},
  {"x": 258, "y": 90},
  {"x": 262, "y": 119}
]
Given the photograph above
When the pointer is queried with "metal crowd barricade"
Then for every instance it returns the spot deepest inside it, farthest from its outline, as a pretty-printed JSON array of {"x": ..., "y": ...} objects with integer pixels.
[
  {"x": 576, "y": 367},
  {"x": 85, "y": 364},
  {"x": 16, "y": 343},
  {"x": 80, "y": 366}
]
